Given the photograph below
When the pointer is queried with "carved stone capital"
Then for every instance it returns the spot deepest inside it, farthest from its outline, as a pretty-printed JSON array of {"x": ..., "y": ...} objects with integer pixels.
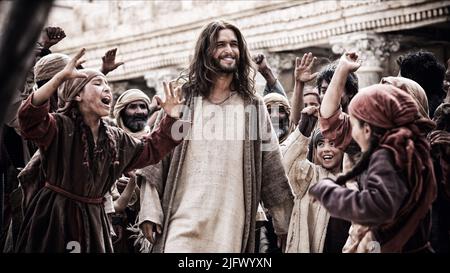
[
  {"x": 155, "y": 78},
  {"x": 280, "y": 62},
  {"x": 372, "y": 49}
]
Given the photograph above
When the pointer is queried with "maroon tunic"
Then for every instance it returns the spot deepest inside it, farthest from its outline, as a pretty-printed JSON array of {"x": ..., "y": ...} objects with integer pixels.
[
  {"x": 337, "y": 128},
  {"x": 382, "y": 193},
  {"x": 52, "y": 219}
]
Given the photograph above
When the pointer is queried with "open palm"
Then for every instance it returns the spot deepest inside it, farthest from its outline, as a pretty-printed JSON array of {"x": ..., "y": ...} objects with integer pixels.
[
  {"x": 109, "y": 61},
  {"x": 303, "y": 68},
  {"x": 173, "y": 100},
  {"x": 70, "y": 70}
]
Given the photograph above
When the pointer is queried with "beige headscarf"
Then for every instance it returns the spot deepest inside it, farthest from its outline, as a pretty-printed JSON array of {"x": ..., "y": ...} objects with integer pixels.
[
  {"x": 70, "y": 88},
  {"x": 126, "y": 98},
  {"x": 273, "y": 99},
  {"x": 413, "y": 89},
  {"x": 277, "y": 99},
  {"x": 49, "y": 65}
]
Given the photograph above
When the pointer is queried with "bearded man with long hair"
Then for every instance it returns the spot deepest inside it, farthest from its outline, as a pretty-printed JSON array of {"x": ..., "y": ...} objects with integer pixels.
[{"x": 211, "y": 185}]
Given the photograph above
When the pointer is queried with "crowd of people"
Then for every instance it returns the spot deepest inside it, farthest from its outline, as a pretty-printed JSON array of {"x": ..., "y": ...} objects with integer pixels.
[{"x": 214, "y": 166}]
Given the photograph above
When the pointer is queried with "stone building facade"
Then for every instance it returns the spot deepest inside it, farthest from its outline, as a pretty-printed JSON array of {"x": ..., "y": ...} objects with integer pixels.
[{"x": 156, "y": 38}]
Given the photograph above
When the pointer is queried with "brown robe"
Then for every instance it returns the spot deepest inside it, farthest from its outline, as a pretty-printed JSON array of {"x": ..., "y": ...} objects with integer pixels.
[{"x": 52, "y": 220}]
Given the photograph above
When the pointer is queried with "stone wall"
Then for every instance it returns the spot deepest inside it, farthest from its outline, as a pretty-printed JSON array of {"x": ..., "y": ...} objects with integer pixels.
[{"x": 156, "y": 38}]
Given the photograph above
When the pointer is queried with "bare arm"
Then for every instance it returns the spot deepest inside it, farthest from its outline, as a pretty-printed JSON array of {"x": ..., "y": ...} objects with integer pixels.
[
  {"x": 272, "y": 83},
  {"x": 302, "y": 74},
  {"x": 332, "y": 98},
  {"x": 69, "y": 72},
  {"x": 265, "y": 70}
]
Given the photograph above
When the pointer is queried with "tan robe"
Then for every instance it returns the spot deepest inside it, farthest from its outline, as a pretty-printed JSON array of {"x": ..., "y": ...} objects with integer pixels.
[
  {"x": 263, "y": 178},
  {"x": 309, "y": 221},
  {"x": 208, "y": 211}
]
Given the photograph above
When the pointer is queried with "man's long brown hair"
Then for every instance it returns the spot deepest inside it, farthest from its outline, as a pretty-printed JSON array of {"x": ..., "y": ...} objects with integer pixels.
[{"x": 202, "y": 70}]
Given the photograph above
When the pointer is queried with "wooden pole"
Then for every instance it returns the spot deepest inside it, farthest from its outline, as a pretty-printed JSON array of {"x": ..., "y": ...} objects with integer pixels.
[{"x": 21, "y": 31}]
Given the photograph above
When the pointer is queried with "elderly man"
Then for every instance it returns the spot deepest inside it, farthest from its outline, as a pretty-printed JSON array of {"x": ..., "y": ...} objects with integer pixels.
[{"x": 131, "y": 113}]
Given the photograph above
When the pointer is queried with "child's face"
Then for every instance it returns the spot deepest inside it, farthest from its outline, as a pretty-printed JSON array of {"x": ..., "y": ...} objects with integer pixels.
[
  {"x": 311, "y": 100},
  {"x": 328, "y": 156},
  {"x": 96, "y": 97},
  {"x": 360, "y": 133}
]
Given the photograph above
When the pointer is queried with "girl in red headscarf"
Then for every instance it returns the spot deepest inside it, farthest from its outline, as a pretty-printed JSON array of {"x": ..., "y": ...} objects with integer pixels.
[{"x": 395, "y": 173}]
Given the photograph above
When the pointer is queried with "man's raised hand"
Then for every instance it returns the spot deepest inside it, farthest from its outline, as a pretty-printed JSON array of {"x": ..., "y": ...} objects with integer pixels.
[
  {"x": 303, "y": 68},
  {"x": 51, "y": 36},
  {"x": 109, "y": 61},
  {"x": 349, "y": 61}
]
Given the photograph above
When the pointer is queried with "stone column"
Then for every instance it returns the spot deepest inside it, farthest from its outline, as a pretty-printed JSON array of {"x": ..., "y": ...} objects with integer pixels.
[
  {"x": 372, "y": 49},
  {"x": 156, "y": 77}
]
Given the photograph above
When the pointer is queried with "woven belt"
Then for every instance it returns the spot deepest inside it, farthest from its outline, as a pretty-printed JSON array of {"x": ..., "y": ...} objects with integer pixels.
[{"x": 75, "y": 197}]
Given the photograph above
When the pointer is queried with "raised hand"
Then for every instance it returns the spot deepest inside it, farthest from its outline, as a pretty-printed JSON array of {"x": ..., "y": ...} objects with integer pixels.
[
  {"x": 70, "y": 70},
  {"x": 109, "y": 61},
  {"x": 263, "y": 67},
  {"x": 349, "y": 61},
  {"x": 51, "y": 36},
  {"x": 261, "y": 62},
  {"x": 308, "y": 120},
  {"x": 173, "y": 101},
  {"x": 303, "y": 67},
  {"x": 154, "y": 104},
  {"x": 122, "y": 183}
]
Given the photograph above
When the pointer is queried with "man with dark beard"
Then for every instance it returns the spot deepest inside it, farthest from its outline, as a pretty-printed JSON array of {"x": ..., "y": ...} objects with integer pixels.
[
  {"x": 131, "y": 112},
  {"x": 212, "y": 184}
]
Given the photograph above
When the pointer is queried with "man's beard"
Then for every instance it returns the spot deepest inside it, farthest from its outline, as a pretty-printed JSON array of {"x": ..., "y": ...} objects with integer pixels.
[
  {"x": 135, "y": 123},
  {"x": 224, "y": 69},
  {"x": 281, "y": 127}
]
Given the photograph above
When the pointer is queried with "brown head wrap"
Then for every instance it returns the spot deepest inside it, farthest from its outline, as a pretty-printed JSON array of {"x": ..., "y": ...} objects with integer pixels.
[
  {"x": 70, "y": 88},
  {"x": 388, "y": 107},
  {"x": 413, "y": 89},
  {"x": 49, "y": 65}
]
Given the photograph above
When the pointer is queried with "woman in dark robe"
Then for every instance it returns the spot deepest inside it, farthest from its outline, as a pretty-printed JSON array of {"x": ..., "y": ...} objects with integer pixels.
[{"x": 82, "y": 156}]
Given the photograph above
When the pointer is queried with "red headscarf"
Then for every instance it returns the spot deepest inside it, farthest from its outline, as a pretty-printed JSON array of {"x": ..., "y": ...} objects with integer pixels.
[{"x": 391, "y": 108}]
